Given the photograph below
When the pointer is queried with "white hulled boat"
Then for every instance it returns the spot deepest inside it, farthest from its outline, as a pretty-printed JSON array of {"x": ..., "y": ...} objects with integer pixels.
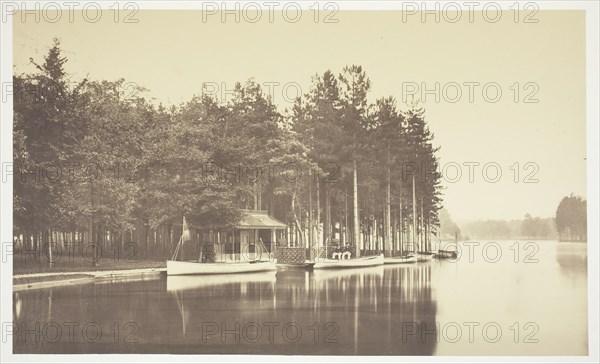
[
  {"x": 184, "y": 268},
  {"x": 186, "y": 282},
  {"x": 243, "y": 263},
  {"x": 424, "y": 256},
  {"x": 349, "y": 263},
  {"x": 401, "y": 259}
]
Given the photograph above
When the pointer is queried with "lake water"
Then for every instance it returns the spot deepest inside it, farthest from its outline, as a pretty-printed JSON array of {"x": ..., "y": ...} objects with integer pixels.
[{"x": 504, "y": 298}]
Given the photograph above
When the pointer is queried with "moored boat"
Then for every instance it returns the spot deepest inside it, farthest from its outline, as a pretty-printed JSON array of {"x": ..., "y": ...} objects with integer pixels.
[
  {"x": 332, "y": 275},
  {"x": 184, "y": 268},
  {"x": 188, "y": 282},
  {"x": 425, "y": 256},
  {"x": 447, "y": 254},
  {"x": 349, "y": 263},
  {"x": 306, "y": 265},
  {"x": 401, "y": 259}
]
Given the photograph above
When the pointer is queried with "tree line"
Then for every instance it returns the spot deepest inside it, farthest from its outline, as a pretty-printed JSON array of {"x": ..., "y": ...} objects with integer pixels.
[
  {"x": 529, "y": 227},
  {"x": 571, "y": 219},
  {"x": 93, "y": 163}
]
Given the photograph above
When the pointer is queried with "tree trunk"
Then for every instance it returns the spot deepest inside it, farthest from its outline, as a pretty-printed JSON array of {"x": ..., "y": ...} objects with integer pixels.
[
  {"x": 49, "y": 242},
  {"x": 35, "y": 242},
  {"x": 311, "y": 236},
  {"x": 414, "y": 212},
  {"x": 400, "y": 223},
  {"x": 388, "y": 214},
  {"x": 345, "y": 231},
  {"x": 318, "y": 211},
  {"x": 356, "y": 217},
  {"x": 297, "y": 222},
  {"x": 327, "y": 213},
  {"x": 395, "y": 233},
  {"x": 422, "y": 239},
  {"x": 88, "y": 241},
  {"x": 145, "y": 238}
]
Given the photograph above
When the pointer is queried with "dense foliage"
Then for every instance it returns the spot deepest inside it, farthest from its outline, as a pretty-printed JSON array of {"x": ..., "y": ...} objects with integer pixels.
[
  {"x": 95, "y": 163},
  {"x": 571, "y": 219}
]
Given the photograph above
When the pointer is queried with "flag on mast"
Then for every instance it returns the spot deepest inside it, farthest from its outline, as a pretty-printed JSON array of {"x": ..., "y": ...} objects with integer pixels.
[{"x": 185, "y": 236}]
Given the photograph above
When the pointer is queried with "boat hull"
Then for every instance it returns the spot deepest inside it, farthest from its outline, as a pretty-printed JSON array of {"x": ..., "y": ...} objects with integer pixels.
[
  {"x": 401, "y": 260},
  {"x": 305, "y": 265},
  {"x": 341, "y": 275},
  {"x": 190, "y": 282},
  {"x": 188, "y": 268},
  {"x": 447, "y": 254},
  {"x": 349, "y": 263},
  {"x": 424, "y": 256}
]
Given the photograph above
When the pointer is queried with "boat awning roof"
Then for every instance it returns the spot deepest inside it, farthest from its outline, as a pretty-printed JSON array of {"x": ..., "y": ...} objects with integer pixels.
[{"x": 259, "y": 220}]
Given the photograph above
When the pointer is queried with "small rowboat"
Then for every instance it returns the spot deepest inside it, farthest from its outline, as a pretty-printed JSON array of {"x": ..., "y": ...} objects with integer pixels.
[
  {"x": 402, "y": 259},
  {"x": 349, "y": 263},
  {"x": 183, "y": 268},
  {"x": 425, "y": 256}
]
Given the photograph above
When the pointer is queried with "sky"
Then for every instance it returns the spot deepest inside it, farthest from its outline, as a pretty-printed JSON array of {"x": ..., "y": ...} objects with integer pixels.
[{"x": 538, "y": 146}]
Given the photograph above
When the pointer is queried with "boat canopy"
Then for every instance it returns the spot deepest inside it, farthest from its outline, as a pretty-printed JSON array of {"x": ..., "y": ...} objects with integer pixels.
[{"x": 259, "y": 220}]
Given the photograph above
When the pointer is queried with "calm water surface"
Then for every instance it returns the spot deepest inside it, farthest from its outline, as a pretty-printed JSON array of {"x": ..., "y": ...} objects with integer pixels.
[{"x": 496, "y": 299}]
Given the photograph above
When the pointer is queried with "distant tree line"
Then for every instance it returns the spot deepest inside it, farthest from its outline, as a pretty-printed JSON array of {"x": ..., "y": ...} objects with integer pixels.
[
  {"x": 569, "y": 224},
  {"x": 536, "y": 227},
  {"x": 528, "y": 228},
  {"x": 571, "y": 219},
  {"x": 95, "y": 162}
]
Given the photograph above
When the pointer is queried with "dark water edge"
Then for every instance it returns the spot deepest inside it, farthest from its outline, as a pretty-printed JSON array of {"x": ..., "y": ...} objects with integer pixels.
[{"x": 536, "y": 298}]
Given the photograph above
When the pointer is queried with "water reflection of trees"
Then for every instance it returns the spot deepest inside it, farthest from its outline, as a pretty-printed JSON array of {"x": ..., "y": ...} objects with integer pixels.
[
  {"x": 217, "y": 300},
  {"x": 572, "y": 258},
  {"x": 114, "y": 314},
  {"x": 369, "y": 307}
]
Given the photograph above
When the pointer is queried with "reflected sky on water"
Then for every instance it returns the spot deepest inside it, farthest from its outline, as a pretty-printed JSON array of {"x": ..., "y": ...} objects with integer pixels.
[{"x": 496, "y": 299}]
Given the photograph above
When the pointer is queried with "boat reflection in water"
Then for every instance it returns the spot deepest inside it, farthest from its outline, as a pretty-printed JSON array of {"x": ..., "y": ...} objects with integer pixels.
[
  {"x": 185, "y": 289},
  {"x": 192, "y": 282}
]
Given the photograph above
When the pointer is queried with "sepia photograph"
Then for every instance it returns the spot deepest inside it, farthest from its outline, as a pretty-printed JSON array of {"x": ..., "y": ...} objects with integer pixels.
[{"x": 281, "y": 181}]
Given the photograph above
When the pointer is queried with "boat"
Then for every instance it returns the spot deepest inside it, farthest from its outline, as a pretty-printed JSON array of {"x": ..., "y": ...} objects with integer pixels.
[
  {"x": 194, "y": 267},
  {"x": 447, "y": 254},
  {"x": 349, "y": 263},
  {"x": 306, "y": 265},
  {"x": 333, "y": 275},
  {"x": 197, "y": 267},
  {"x": 450, "y": 250},
  {"x": 401, "y": 259},
  {"x": 425, "y": 256},
  {"x": 186, "y": 282}
]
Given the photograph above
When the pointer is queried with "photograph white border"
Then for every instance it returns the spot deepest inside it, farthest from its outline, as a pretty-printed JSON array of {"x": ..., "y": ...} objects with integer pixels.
[{"x": 592, "y": 133}]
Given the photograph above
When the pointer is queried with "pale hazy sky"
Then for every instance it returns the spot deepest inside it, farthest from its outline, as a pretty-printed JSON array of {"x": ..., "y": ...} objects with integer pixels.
[{"x": 173, "y": 53}]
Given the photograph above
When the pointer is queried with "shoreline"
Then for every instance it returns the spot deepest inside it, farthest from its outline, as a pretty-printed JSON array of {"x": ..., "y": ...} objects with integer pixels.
[{"x": 79, "y": 277}]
